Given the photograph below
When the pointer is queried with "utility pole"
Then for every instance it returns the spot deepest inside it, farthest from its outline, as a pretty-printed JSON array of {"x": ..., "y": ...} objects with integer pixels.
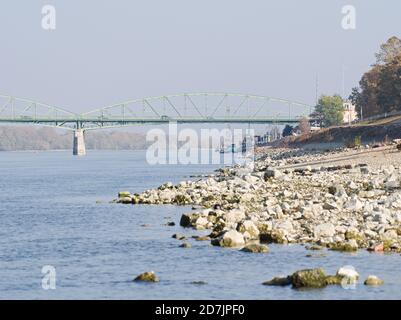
[
  {"x": 343, "y": 82},
  {"x": 317, "y": 89}
]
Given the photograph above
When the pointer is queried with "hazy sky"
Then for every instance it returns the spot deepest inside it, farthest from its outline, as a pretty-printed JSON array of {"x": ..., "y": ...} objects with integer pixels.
[{"x": 104, "y": 52}]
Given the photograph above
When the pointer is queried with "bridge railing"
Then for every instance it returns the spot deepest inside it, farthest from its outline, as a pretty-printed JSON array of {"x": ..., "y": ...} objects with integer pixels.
[
  {"x": 190, "y": 107},
  {"x": 17, "y": 109},
  {"x": 206, "y": 106}
]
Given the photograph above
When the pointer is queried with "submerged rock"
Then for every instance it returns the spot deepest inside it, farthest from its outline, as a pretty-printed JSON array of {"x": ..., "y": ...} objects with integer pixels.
[
  {"x": 256, "y": 248},
  {"x": 334, "y": 280},
  {"x": 149, "y": 276},
  {"x": 309, "y": 278},
  {"x": 347, "y": 246},
  {"x": 124, "y": 194},
  {"x": 373, "y": 281},
  {"x": 199, "y": 283},
  {"x": 178, "y": 236},
  {"x": 319, "y": 255},
  {"x": 201, "y": 238},
  {"x": 125, "y": 200},
  {"x": 314, "y": 248},
  {"x": 279, "y": 281},
  {"x": 185, "y": 245}
]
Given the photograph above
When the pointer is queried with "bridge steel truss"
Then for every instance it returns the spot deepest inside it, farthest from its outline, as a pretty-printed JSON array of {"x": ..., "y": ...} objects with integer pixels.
[{"x": 180, "y": 108}]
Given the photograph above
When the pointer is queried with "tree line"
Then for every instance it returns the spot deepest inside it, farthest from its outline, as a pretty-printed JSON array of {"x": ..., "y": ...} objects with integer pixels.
[
  {"x": 379, "y": 90},
  {"x": 378, "y": 93},
  {"x": 43, "y": 138}
]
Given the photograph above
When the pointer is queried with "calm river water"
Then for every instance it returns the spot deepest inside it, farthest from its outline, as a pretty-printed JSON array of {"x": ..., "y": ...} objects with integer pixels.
[{"x": 55, "y": 210}]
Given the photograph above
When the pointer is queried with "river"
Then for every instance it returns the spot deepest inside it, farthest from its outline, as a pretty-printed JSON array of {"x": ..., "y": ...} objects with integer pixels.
[{"x": 55, "y": 210}]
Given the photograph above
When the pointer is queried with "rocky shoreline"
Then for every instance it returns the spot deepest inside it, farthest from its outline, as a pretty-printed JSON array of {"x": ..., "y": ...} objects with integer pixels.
[{"x": 343, "y": 200}]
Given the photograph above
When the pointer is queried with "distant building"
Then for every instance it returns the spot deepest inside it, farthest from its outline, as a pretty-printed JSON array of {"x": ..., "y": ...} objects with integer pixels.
[{"x": 350, "y": 114}]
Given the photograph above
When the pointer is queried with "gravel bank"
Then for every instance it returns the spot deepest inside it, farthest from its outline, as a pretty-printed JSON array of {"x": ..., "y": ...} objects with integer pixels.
[{"x": 344, "y": 200}]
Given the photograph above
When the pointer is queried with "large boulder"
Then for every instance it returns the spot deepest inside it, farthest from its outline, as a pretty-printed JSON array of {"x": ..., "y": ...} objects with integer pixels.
[
  {"x": 273, "y": 236},
  {"x": 230, "y": 238},
  {"x": 309, "y": 278},
  {"x": 188, "y": 219},
  {"x": 178, "y": 236},
  {"x": 249, "y": 227}
]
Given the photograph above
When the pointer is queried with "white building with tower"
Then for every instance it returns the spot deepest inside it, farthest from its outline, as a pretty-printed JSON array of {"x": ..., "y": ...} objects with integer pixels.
[{"x": 350, "y": 113}]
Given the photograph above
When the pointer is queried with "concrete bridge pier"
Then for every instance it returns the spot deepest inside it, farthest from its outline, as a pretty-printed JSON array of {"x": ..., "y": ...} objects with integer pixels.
[{"x": 79, "y": 143}]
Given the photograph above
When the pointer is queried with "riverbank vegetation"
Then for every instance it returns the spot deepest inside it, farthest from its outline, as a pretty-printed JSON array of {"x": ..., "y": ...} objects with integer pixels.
[{"x": 379, "y": 90}]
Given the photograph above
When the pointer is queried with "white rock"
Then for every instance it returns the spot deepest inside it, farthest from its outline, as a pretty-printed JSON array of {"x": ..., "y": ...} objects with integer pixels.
[
  {"x": 370, "y": 234},
  {"x": 354, "y": 205},
  {"x": 250, "y": 227},
  {"x": 166, "y": 195},
  {"x": 286, "y": 226},
  {"x": 201, "y": 221},
  {"x": 392, "y": 184},
  {"x": 348, "y": 272},
  {"x": 324, "y": 230},
  {"x": 232, "y": 238},
  {"x": 251, "y": 179},
  {"x": 352, "y": 185},
  {"x": 389, "y": 235},
  {"x": 234, "y": 215}
]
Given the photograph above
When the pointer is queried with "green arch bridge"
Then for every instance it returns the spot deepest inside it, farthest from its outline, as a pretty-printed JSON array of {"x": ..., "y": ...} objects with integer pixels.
[{"x": 205, "y": 107}]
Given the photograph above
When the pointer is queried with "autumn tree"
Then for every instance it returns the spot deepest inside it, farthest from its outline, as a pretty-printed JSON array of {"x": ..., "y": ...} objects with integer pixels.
[
  {"x": 388, "y": 51},
  {"x": 379, "y": 89},
  {"x": 389, "y": 86}
]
